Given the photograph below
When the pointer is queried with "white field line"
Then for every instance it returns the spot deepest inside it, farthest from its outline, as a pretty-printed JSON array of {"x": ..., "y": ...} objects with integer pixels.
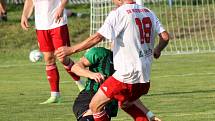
[
  {"x": 36, "y": 81},
  {"x": 191, "y": 114},
  {"x": 204, "y": 114},
  {"x": 19, "y": 65},
  {"x": 185, "y": 75},
  {"x": 164, "y": 76},
  {"x": 155, "y": 77}
]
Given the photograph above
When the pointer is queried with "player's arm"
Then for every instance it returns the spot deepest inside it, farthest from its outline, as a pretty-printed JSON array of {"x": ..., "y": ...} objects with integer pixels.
[
  {"x": 163, "y": 36},
  {"x": 27, "y": 10},
  {"x": 80, "y": 69},
  {"x": 163, "y": 42},
  {"x": 59, "y": 11},
  {"x": 63, "y": 3},
  {"x": 89, "y": 42}
]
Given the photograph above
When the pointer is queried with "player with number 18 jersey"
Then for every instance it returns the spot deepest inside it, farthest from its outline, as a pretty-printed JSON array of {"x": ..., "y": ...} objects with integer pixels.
[{"x": 132, "y": 28}]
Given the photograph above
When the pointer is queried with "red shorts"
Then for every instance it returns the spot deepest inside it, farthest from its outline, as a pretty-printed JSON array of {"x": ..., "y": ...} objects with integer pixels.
[
  {"x": 50, "y": 40},
  {"x": 122, "y": 92}
]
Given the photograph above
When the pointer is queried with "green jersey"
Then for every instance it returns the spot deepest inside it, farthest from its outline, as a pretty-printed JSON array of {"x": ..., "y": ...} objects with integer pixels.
[{"x": 101, "y": 61}]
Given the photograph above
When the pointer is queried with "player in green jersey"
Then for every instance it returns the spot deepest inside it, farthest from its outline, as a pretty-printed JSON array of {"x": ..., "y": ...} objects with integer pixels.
[{"x": 99, "y": 61}]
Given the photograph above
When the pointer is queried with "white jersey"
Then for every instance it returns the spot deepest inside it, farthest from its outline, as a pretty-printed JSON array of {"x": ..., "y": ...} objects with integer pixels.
[
  {"x": 44, "y": 14},
  {"x": 132, "y": 28}
]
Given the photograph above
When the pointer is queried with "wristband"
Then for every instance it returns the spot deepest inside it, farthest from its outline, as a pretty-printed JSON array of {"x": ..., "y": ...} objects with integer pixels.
[{"x": 150, "y": 115}]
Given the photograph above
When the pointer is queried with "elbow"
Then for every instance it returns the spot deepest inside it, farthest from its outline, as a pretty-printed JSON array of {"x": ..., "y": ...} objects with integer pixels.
[
  {"x": 98, "y": 37},
  {"x": 165, "y": 36}
]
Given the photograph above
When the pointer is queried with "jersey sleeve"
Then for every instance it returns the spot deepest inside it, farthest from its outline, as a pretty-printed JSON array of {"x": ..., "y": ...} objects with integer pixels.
[
  {"x": 107, "y": 29},
  {"x": 91, "y": 56},
  {"x": 112, "y": 26},
  {"x": 158, "y": 26}
]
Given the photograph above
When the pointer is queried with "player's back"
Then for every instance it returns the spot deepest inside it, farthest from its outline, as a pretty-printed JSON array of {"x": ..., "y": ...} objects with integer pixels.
[
  {"x": 134, "y": 43},
  {"x": 101, "y": 62}
]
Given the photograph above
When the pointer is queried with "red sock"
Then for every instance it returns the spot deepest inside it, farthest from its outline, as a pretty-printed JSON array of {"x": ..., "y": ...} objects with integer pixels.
[
  {"x": 136, "y": 113},
  {"x": 53, "y": 77},
  {"x": 101, "y": 116},
  {"x": 68, "y": 69}
]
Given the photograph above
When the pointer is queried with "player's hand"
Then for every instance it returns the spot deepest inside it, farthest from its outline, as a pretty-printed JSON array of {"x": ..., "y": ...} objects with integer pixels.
[
  {"x": 156, "y": 53},
  {"x": 98, "y": 77},
  {"x": 24, "y": 23},
  {"x": 59, "y": 14},
  {"x": 62, "y": 52}
]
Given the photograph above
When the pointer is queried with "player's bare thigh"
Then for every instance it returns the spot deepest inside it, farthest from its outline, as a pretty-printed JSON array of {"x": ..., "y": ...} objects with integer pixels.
[{"x": 98, "y": 101}]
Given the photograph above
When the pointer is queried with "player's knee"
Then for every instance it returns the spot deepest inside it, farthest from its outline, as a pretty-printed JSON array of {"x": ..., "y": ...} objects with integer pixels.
[
  {"x": 93, "y": 107},
  {"x": 49, "y": 59}
]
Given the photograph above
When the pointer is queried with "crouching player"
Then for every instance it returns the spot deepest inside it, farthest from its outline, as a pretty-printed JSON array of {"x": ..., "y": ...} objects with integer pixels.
[{"x": 99, "y": 61}]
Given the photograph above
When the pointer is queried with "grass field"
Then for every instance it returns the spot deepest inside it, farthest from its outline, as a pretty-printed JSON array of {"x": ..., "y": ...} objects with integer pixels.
[{"x": 183, "y": 88}]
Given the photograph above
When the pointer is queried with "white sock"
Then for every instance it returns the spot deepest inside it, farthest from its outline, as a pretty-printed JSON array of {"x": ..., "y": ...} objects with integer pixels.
[
  {"x": 80, "y": 84},
  {"x": 55, "y": 94}
]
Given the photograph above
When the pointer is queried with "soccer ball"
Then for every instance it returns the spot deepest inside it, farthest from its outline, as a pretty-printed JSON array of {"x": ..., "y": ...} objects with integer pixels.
[{"x": 35, "y": 56}]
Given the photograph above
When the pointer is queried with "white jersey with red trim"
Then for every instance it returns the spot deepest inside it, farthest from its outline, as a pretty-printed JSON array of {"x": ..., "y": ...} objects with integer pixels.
[
  {"x": 45, "y": 12},
  {"x": 132, "y": 28}
]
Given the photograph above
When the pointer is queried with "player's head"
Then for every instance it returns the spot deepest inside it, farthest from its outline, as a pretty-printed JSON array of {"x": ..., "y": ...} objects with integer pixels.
[
  {"x": 121, "y": 2},
  {"x": 118, "y": 2}
]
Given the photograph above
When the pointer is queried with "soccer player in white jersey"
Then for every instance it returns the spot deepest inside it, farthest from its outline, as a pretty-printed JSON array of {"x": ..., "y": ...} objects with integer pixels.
[
  {"x": 52, "y": 33},
  {"x": 132, "y": 28}
]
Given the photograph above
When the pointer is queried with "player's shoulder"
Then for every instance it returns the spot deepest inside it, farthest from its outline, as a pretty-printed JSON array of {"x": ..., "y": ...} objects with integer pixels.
[
  {"x": 147, "y": 10},
  {"x": 95, "y": 54},
  {"x": 112, "y": 13},
  {"x": 95, "y": 49},
  {"x": 98, "y": 51}
]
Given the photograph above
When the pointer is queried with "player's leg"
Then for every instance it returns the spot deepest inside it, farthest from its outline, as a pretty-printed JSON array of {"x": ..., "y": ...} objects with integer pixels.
[
  {"x": 3, "y": 12},
  {"x": 68, "y": 63},
  {"x": 139, "y": 111},
  {"x": 97, "y": 106},
  {"x": 46, "y": 46},
  {"x": 107, "y": 92},
  {"x": 123, "y": 92},
  {"x": 133, "y": 105},
  {"x": 81, "y": 105},
  {"x": 53, "y": 77},
  {"x": 136, "y": 110},
  {"x": 62, "y": 39}
]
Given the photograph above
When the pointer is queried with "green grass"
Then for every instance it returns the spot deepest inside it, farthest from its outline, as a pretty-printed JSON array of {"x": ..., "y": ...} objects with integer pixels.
[{"x": 183, "y": 88}]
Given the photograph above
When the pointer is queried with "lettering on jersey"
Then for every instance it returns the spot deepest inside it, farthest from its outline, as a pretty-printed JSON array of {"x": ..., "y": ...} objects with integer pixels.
[
  {"x": 137, "y": 10},
  {"x": 148, "y": 52},
  {"x": 140, "y": 54},
  {"x": 145, "y": 26},
  {"x": 145, "y": 53}
]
